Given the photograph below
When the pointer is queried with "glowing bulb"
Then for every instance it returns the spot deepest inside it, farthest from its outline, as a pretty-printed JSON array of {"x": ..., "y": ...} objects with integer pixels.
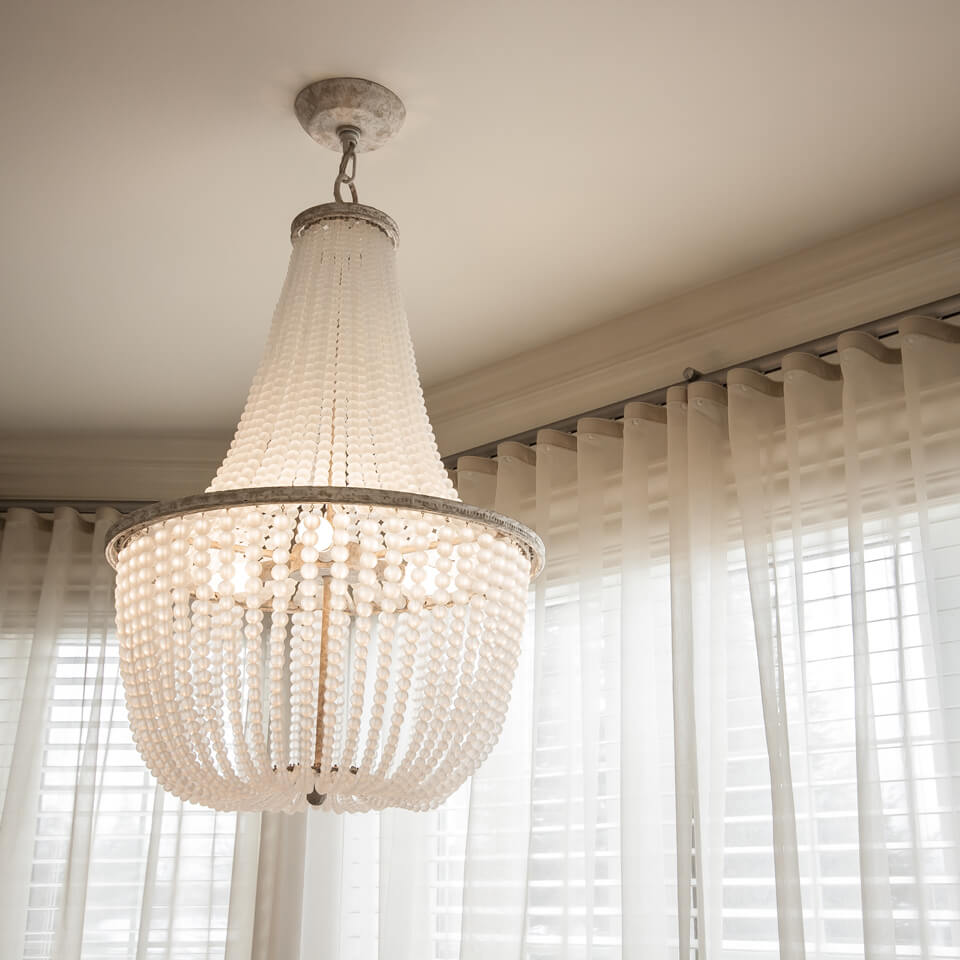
[{"x": 324, "y": 535}]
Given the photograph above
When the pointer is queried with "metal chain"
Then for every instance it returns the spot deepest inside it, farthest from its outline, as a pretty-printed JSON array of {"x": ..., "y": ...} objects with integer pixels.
[{"x": 348, "y": 165}]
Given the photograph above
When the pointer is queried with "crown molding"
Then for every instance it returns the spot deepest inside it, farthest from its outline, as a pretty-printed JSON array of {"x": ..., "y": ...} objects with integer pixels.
[
  {"x": 892, "y": 266},
  {"x": 114, "y": 467},
  {"x": 889, "y": 267}
]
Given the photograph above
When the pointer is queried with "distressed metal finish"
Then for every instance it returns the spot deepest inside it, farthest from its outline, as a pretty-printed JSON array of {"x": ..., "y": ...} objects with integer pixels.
[
  {"x": 127, "y": 527},
  {"x": 347, "y": 173},
  {"x": 325, "y": 106},
  {"x": 345, "y": 211}
]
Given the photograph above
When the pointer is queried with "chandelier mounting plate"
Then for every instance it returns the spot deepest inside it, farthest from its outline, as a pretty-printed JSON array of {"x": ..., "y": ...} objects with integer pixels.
[{"x": 327, "y": 106}]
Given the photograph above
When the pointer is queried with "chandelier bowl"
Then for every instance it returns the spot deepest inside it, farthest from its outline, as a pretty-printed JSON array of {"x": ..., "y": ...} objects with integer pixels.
[{"x": 342, "y": 647}]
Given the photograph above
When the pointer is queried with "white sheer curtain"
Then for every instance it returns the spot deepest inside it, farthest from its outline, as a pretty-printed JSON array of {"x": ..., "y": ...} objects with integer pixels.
[
  {"x": 744, "y": 693},
  {"x": 96, "y": 861},
  {"x": 735, "y": 732}
]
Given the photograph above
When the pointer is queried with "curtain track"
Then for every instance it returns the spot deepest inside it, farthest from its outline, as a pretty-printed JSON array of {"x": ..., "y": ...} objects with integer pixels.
[{"x": 769, "y": 363}]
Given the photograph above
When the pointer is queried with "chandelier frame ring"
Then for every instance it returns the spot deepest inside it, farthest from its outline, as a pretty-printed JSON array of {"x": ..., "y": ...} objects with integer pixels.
[{"x": 128, "y": 526}]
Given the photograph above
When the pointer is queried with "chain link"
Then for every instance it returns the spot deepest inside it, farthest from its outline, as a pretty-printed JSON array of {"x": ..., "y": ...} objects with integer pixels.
[{"x": 348, "y": 166}]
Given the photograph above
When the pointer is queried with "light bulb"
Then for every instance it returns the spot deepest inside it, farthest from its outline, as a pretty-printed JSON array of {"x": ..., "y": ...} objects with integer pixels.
[{"x": 324, "y": 535}]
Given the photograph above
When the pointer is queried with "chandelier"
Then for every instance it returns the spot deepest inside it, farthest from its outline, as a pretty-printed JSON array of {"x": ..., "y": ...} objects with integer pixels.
[{"x": 327, "y": 624}]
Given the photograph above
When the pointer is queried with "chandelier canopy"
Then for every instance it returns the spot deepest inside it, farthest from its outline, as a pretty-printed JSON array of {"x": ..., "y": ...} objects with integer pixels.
[{"x": 328, "y": 624}]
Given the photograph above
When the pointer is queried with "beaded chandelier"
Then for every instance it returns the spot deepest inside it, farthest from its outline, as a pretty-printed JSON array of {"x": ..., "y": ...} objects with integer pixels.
[{"x": 328, "y": 624}]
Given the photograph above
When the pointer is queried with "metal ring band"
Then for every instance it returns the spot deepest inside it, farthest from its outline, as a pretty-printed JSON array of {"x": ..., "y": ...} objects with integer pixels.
[
  {"x": 345, "y": 211},
  {"x": 120, "y": 534}
]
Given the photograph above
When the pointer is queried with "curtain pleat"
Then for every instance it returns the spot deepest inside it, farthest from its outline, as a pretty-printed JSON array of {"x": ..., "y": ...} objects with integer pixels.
[
  {"x": 599, "y": 461},
  {"x": 93, "y": 744},
  {"x": 646, "y": 728},
  {"x": 708, "y": 465},
  {"x": 756, "y": 418},
  {"x": 871, "y": 376},
  {"x": 682, "y": 664},
  {"x": 278, "y": 906},
  {"x": 405, "y": 885},
  {"x": 150, "y": 875},
  {"x": 812, "y": 393},
  {"x": 497, "y": 830},
  {"x": 34, "y": 562}
]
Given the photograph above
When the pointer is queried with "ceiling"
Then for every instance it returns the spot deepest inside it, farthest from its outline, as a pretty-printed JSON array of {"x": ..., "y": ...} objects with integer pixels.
[{"x": 562, "y": 164}]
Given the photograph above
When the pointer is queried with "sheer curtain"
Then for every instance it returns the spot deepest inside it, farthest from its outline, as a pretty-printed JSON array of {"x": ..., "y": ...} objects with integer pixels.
[
  {"x": 734, "y": 732},
  {"x": 744, "y": 696},
  {"x": 96, "y": 860}
]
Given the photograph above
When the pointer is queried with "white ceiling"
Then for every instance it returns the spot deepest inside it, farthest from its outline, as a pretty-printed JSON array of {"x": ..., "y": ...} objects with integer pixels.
[{"x": 562, "y": 164}]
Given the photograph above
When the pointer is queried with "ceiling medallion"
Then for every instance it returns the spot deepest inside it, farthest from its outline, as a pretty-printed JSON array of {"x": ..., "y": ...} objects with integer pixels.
[{"x": 327, "y": 624}]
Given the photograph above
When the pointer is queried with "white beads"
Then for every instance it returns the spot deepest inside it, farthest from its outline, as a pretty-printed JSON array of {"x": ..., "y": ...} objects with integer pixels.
[
  {"x": 361, "y": 656},
  {"x": 399, "y": 631},
  {"x": 337, "y": 399}
]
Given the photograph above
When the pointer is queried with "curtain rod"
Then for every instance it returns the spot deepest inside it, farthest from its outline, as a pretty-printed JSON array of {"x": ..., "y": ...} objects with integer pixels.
[{"x": 768, "y": 363}]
